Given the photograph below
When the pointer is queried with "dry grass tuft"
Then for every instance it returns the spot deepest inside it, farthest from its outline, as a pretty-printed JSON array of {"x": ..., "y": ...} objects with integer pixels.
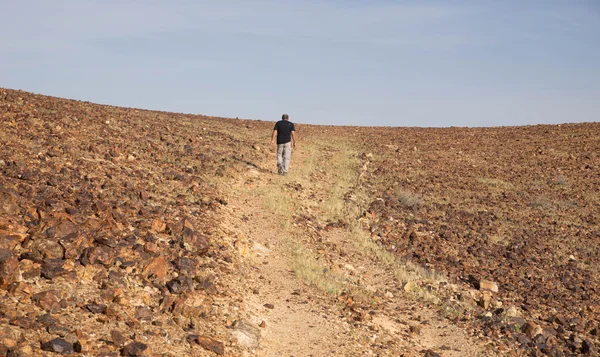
[
  {"x": 275, "y": 200},
  {"x": 409, "y": 199},
  {"x": 497, "y": 184},
  {"x": 313, "y": 272},
  {"x": 542, "y": 202},
  {"x": 404, "y": 270},
  {"x": 561, "y": 180}
]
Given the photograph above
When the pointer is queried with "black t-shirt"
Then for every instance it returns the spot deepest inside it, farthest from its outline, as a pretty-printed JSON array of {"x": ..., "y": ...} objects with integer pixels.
[{"x": 284, "y": 131}]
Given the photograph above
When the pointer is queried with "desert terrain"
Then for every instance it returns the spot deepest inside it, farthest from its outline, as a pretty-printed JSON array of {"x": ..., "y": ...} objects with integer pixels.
[{"x": 129, "y": 232}]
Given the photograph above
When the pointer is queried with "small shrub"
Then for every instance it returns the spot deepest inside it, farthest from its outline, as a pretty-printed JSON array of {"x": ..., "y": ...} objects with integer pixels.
[
  {"x": 561, "y": 180},
  {"x": 497, "y": 184},
  {"x": 312, "y": 271},
  {"x": 542, "y": 202},
  {"x": 409, "y": 200}
]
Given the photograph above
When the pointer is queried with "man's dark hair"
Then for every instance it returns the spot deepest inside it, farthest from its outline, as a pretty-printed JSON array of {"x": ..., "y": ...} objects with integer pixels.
[{"x": 284, "y": 116}]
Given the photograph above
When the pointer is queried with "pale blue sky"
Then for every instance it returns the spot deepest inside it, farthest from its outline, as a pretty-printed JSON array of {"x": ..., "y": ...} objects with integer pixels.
[{"x": 397, "y": 63}]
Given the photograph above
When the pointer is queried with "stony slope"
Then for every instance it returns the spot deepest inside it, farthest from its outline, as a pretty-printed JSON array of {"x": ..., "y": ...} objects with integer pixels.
[
  {"x": 109, "y": 219},
  {"x": 519, "y": 206},
  {"x": 117, "y": 237}
]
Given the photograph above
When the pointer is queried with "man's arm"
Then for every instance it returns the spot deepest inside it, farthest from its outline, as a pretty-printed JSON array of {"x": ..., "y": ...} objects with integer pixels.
[
  {"x": 273, "y": 137},
  {"x": 293, "y": 138}
]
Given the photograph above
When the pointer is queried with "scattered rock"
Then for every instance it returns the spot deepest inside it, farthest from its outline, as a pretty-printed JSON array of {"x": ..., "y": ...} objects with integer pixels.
[
  {"x": 58, "y": 345},
  {"x": 158, "y": 226},
  {"x": 117, "y": 338},
  {"x": 532, "y": 329},
  {"x": 211, "y": 344},
  {"x": 96, "y": 308},
  {"x": 486, "y": 300},
  {"x": 487, "y": 285},
  {"x": 414, "y": 328},
  {"x": 81, "y": 346},
  {"x": 269, "y": 306},
  {"x": 143, "y": 313},
  {"x": 10, "y": 336},
  {"x": 29, "y": 269},
  {"x": 9, "y": 269},
  {"x": 245, "y": 334},
  {"x": 260, "y": 248},
  {"x": 48, "y": 300},
  {"x": 136, "y": 349},
  {"x": 158, "y": 268},
  {"x": 194, "y": 241}
]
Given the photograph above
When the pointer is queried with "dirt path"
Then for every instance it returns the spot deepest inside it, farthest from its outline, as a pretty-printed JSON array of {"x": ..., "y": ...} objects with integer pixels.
[{"x": 317, "y": 291}]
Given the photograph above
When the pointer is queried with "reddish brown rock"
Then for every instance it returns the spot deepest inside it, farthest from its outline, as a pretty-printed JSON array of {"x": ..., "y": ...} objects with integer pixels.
[
  {"x": 10, "y": 336},
  {"x": 118, "y": 338},
  {"x": 29, "y": 269},
  {"x": 21, "y": 289},
  {"x": 211, "y": 344},
  {"x": 51, "y": 268},
  {"x": 62, "y": 230},
  {"x": 9, "y": 241},
  {"x": 158, "y": 226},
  {"x": 143, "y": 313},
  {"x": 48, "y": 300},
  {"x": 151, "y": 247},
  {"x": 486, "y": 300},
  {"x": 98, "y": 255},
  {"x": 194, "y": 241},
  {"x": 74, "y": 245},
  {"x": 47, "y": 249},
  {"x": 9, "y": 269},
  {"x": 487, "y": 285},
  {"x": 82, "y": 346},
  {"x": 136, "y": 349},
  {"x": 158, "y": 268}
]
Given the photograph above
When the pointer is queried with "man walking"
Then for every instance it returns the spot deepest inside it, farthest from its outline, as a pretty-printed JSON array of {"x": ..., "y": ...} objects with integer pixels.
[{"x": 286, "y": 139}]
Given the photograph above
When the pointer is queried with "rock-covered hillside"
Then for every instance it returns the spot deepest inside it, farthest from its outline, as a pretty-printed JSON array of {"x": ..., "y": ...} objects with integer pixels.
[
  {"x": 519, "y": 206},
  {"x": 114, "y": 236},
  {"x": 110, "y": 241}
]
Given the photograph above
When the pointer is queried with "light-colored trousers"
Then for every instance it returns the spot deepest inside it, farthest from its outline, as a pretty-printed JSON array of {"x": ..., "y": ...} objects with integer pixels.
[{"x": 284, "y": 155}]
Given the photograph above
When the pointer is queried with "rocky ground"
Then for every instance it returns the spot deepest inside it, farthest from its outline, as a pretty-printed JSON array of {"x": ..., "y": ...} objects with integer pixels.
[
  {"x": 109, "y": 223},
  {"x": 518, "y": 206},
  {"x": 143, "y": 233}
]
